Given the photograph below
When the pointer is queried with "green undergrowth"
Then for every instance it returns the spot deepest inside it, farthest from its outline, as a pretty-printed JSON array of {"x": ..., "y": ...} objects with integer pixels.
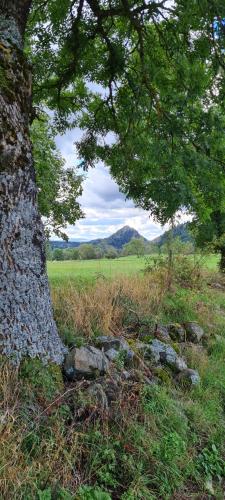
[
  {"x": 41, "y": 380},
  {"x": 159, "y": 441}
]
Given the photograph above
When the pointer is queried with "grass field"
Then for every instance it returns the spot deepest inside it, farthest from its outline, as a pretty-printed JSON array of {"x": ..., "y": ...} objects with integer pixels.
[
  {"x": 92, "y": 269},
  {"x": 85, "y": 269}
]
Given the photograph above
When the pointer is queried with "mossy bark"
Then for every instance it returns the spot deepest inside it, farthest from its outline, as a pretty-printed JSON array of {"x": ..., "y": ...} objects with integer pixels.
[
  {"x": 222, "y": 260},
  {"x": 27, "y": 327}
]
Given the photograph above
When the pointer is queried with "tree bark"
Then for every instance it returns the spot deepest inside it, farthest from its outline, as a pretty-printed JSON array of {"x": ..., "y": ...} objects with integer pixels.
[
  {"x": 222, "y": 259},
  {"x": 218, "y": 219},
  {"x": 27, "y": 327}
]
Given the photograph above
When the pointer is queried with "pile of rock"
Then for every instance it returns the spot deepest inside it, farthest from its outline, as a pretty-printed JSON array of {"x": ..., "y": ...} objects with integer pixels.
[
  {"x": 92, "y": 362},
  {"x": 187, "y": 332},
  {"x": 160, "y": 353}
]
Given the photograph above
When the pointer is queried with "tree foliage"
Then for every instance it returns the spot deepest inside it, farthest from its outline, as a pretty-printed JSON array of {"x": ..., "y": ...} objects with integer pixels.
[
  {"x": 135, "y": 247},
  {"x": 145, "y": 82},
  {"x": 177, "y": 246},
  {"x": 87, "y": 251},
  {"x": 59, "y": 186}
]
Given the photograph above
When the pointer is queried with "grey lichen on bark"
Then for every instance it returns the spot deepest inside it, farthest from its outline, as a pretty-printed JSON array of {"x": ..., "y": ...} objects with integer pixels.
[
  {"x": 10, "y": 33},
  {"x": 27, "y": 327}
]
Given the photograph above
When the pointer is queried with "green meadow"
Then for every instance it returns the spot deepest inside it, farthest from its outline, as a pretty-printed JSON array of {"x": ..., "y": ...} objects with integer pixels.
[
  {"x": 85, "y": 269},
  {"x": 93, "y": 269}
]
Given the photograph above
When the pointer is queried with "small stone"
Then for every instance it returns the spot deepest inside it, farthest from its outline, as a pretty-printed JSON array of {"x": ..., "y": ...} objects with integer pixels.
[
  {"x": 189, "y": 377},
  {"x": 161, "y": 333},
  {"x": 85, "y": 362},
  {"x": 108, "y": 342},
  {"x": 177, "y": 332},
  {"x": 125, "y": 375},
  {"x": 111, "y": 344},
  {"x": 194, "y": 332}
]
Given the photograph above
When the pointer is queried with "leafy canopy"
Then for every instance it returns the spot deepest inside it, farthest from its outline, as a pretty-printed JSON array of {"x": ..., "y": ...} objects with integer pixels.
[
  {"x": 145, "y": 82},
  {"x": 58, "y": 185},
  {"x": 135, "y": 247}
]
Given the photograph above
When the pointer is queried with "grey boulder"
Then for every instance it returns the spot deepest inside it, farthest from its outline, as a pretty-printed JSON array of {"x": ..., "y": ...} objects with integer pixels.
[
  {"x": 85, "y": 362},
  {"x": 189, "y": 377},
  {"x": 194, "y": 332},
  {"x": 165, "y": 354}
]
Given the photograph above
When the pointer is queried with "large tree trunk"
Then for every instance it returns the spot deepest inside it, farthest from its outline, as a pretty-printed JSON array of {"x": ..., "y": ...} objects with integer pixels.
[
  {"x": 27, "y": 327},
  {"x": 218, "y": 219},
  {"x": 222, "y": 259}
]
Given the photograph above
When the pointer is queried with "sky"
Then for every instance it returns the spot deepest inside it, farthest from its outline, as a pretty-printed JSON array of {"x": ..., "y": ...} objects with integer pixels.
[{"x": 106, "y": 209}]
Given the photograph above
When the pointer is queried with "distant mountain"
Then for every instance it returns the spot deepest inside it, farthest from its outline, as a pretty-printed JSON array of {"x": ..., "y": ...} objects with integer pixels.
[
  {"x": 116, "y": 240},
  {"x": 120, "y": 238},
  {"x": 180, "y": 231},
  {"x": 123, "y": 236}
]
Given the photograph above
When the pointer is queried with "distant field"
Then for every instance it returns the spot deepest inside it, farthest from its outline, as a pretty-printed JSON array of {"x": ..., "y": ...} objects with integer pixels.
[
  {"x": 92, "y": 269},
  {"x": 211, "y": 261}
]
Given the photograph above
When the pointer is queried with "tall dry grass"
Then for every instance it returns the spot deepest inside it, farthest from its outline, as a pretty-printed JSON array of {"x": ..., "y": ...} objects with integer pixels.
[
  {"x": 104, "y": 306},
  {"x": 10, "y": 433}
]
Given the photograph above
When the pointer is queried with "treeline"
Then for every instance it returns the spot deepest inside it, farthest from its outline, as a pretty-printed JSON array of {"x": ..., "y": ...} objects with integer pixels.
[
  {"x": 136, "y": 247},
  {"x": 83, "y": 252}
]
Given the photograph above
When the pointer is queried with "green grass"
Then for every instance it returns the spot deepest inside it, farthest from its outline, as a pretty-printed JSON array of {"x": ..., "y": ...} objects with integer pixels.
[
  {"x": 91, "y": 269},
  {"x": 211, "y": 262}
]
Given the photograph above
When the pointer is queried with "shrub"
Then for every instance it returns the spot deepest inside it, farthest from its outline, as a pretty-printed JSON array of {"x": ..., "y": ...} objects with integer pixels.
[{"x": 182, "y": 270}]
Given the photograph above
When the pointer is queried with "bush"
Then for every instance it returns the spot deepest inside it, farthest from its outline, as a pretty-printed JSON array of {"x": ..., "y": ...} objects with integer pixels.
[{"x": 182, "y": 270}]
